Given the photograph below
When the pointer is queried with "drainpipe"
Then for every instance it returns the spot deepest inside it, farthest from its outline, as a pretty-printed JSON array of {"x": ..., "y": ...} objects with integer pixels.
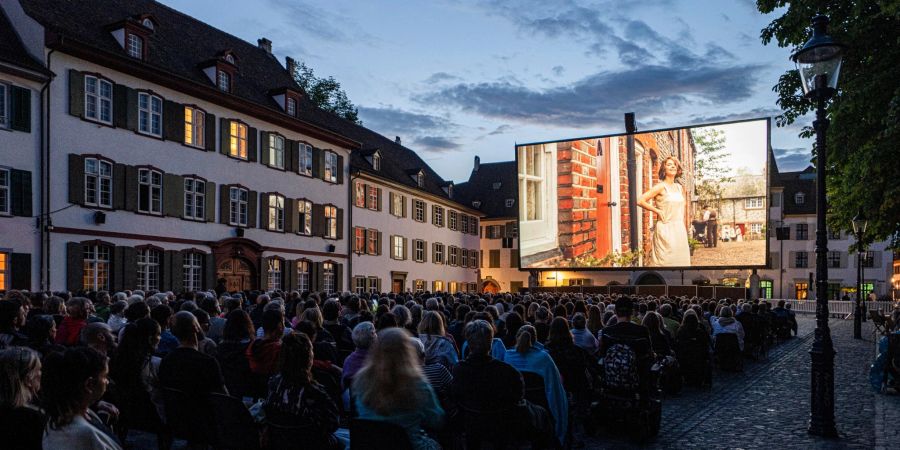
[
  {"x": 44, "y": 215},
  {"x": 633, "y": 193}
]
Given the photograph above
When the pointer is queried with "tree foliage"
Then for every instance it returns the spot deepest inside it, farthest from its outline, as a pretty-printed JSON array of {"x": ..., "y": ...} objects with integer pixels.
[
  {"x": 710, "y": 172},
  {"x": 326, "y": 93},
  {"x": 863, "y": 141}
]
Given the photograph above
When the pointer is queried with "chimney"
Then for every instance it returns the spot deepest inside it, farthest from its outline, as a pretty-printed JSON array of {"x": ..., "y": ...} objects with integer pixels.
[
  {"x": 265, "y": 44},
  {"x": 477, "y": 164},
  {"x": 290, "y": 64},
  {"x": 397, "y": 140}
]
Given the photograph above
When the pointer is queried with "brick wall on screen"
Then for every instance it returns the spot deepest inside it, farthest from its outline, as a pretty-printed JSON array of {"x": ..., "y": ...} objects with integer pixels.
[{"x": 577, "y": 193}]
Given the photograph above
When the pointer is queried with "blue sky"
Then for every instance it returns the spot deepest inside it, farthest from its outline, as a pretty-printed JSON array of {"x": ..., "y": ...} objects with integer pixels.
[{"x": 457, "y": 78}]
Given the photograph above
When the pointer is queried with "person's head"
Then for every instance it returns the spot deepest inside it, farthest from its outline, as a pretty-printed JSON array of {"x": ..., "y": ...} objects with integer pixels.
[
  {"x": 41, "y": 329},
  {"x": 725, "y": 312},
  {"x": 559, "y": 331},
  {"x": 72, "y": 380},
  {"x": 296, "y": 359},
  {"x": 390, "y": 380},
  {"x": 402, "y": 314},
  {"x": 137, "y": 310},
  {"x": 273, "y": 323},
  {"x": 55, "y": 306},
  {"x": 331, "y": 310},
  {"x": 20, "y": 377},
  {"x": 98, "y": 336},
  {"x": 308, "y": 328},
  {"x": 653, "y": 322},
  {"x": 185, "y": 328},
  {"x": 624, "y": 308},
  {"x": 79, "y": 308},
  {"x": 480, "y": 336},
  {"x": 387, "y": 320},
  {"x": 202, "y": 318},
  {"x": 141, "y": 336},
  {"x": 12, "y": 315},
  {"x": 238, "y": 326},
  {"x": 579, "y": 322},
  {"x": 364, "y": 335},
  {"x": 313, "y": 315},
  {"x": 162, "y": 314},
  {"x": 669, "y": 167},
  {"x": 525, "y": 338},
  {"x": 432, "y": 323},
  {"x": 690, "y": 320},
  {"x": 665, "y": 310}
]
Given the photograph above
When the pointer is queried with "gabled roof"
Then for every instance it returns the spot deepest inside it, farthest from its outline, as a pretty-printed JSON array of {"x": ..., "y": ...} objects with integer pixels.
[
  {"x": 794, "y": 182},
  {"x": 12, "y": 51},
  {"x": 480, "y": 187}
]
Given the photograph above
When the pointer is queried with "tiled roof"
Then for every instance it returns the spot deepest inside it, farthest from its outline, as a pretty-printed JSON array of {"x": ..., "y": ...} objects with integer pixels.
[
  {"x": 794, "y": 182},
  {"x": 480, "y": 187},
  {"x": 11, "y": 49}
]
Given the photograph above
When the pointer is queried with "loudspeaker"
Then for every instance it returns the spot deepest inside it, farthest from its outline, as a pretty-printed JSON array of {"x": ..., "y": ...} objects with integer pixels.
[
  {"x": 783, "y": 233},
  {"x": 239, "y": 232},
  {"x": 330, "y": 248},
  {"x": 99, "y": 217}
]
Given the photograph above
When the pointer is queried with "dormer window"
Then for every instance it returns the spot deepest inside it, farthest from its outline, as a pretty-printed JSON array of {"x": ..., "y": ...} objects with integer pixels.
[
  {"x": 476, "y": 204},
  {"x": 799, "y": 198},
  {"x": 496, "y": 186},
  {"x": 376, "y": 161},
  {"x": 229, "y": 58},
  {"x": 135, "y": 46},
  {"x": 291, "y": 107},
  {"x": 420, "y": 179},
  {"x": 148, "y": 23},
  {"x": 223, "y": 80}
]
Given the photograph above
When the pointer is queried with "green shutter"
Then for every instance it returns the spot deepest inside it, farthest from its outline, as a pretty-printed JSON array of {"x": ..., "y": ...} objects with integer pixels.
[
  {"x": 224, "y": 203},
  {"x": 210, "y": 130},
  {"x": 252, "y": 209},
  {"x": 129, "y": 267},
  {"x": 209, "y": 271},
  {"x": 76, "y": 179},
  {"x": 292, "y": 155},
  {"x": 116, "y": 277},
  {"x": 131, "y": 188},
  {"x": 338, "y": 277},
  {"x": 21, "y": 198},
  {"x": 120, "y": 106},
  {"x": 118, "y": 188},
  {"x": 210, "y": 199},
  {"x": 252, "y": 144},
  {"x": 173, "y": 195},
  {"x": 175, "y": 268},
  {"x": 263, "y": 275},
  {"x": 340, "y": 169},
  {"x": 224, "y": 135},
  {"x": 76, "y": 93},
  {"x": 290, "y": 215},
  {"x": 317, "y": 163},
  {"x": 291, "y": 276},
  {"x": 20, "y": 109},
  {"x": 340, "y": 223},
  {"x": 20, "y": 268},
  {"x": 319, "y": 274},
  {"x": 264, "y": 211},
  {"x": 318, "y": 220},
  {"x": 173, "y": 121},
  {"x": 264, "y": 147},
  {"x": 74, "y": 266}
]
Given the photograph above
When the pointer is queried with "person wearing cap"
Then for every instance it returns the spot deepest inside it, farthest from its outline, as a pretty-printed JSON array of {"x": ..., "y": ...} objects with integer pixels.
[{"x": 624, "y": 331}]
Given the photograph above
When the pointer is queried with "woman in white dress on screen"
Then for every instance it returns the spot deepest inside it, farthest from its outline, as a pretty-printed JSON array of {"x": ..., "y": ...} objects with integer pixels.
[{"x": 670, "y": 237}]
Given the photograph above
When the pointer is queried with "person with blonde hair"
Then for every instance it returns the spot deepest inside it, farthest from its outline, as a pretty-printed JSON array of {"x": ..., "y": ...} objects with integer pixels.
[
  {"x": 670, "y": 237},
  {"x": 438, "y": 349},
  {"x": 391, "y": 387},
  {"x": 21, "y": 424}
]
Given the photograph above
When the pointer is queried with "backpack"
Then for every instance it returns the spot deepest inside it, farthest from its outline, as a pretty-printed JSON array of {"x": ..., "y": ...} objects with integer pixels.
[{"x": 620, "y": 368}]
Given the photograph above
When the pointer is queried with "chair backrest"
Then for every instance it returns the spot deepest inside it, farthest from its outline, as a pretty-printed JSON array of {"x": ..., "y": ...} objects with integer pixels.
[
  {"x": 189, "y": 417},
  {"x": 535, "y": 390},
  {"x": 377, "y": 435},
  {"x": 727, "y": 343},
  {"x": 235, "y": 428}
]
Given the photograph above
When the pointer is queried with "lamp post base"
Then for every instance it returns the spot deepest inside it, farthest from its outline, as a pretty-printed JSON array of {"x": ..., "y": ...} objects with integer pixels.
[{"x": 821, "y": 419}]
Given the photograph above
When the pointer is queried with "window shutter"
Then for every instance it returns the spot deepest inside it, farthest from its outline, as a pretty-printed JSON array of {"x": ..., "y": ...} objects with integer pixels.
[
  {"x": 292, "y": 155},
  {"x": 74, "y": 266},
  {"x": 224, "y": 203},
  {"x": 318, "y": 165},
  {"x": 120, "y": 106},
  {"x": 338, "y": 277},
  {"x": 21, "y": 201},
  {"x": 378, "y": 199},
  {"x": 378, "y": 243},
  {"x": 340, "y": 223},
  {"x": 843, "y": 260},
  {"x": 877, "y": 261},
  {"x": 173, "y": 266},
  {"x": 20, "y": 109},
  {"x": 290, "y": 215},
  {"x": 76, "y": 179},
  {"x": 131, "y": 109},
  {"x": 173, "y": 120},
  {"x": 118, "y": 187},
  {"x": 209, "y": 128},
  {"x": 252, "y": 144},
  {"x": 405, "y": 248},
  {"x": 514, "y": 258},
  {"x": 224, "y": 135},
  {"x": 129, "y": 267},
  {"x": 510, "y": 229},
  {"x": 434, "y": 252},
  {"x": 264, "y": 212},
  {"x": 391, "y": 204},
  {"x": 210, "y": 200},
  {"x": 173, "y": 195},
  {"x": 264, "y": 147},
  {"x": 340, "y": 169},
  {"x": 21, "y": 271},
  {"x": 792, "y": 260},
  {"x": 775, "y": 260},
  {"x": 263, "y": 275},
  {"x": 209, "y": 271},
  {"x": 252, "y": 201},
  {"x": 403, "y": 206},
  {"x": 318, "y": 220},
  {"x": 76, "y": 93},
  {"x": 424, "y": 251},
  {"x": 131, "y": 188},
  {"x": 318, "y": 276}
]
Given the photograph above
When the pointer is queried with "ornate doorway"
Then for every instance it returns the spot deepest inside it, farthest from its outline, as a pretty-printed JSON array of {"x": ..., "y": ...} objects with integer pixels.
[
  {"x": 490, "y": 287},
  {"x": 236, "y": 272},
  {"x": 236, "y": 263}
]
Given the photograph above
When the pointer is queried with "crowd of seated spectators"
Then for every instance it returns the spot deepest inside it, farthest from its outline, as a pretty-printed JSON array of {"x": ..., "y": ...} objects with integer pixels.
[{"x": 86, "y": 370}]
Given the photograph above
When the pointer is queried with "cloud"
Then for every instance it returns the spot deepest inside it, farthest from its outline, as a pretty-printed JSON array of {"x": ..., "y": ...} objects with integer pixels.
[
  {"x": 436, "y": 144},
  {"x": 754, "y": 113},
  {"x": 439, "y": 77},
  {"x": 558, "y": 70},
  {"x": 427, "y": 132},
  {"x": 320, "y": 22},
  {"x": 792, "y": 159}
]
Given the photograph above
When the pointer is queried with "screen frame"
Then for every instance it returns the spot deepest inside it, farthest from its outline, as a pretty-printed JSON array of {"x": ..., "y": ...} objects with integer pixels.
[{"x": 768, "y": 190}]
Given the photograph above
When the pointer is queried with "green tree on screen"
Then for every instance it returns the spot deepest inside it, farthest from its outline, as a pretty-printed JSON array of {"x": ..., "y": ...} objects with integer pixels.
[
  {"x": 710, "y": 169},
  {"x": 326, "y": 93},
  {"x": 864, "y": 137}
]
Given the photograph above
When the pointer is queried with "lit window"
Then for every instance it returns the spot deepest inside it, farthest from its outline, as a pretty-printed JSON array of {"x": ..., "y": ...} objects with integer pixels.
[
  {"x": 291, "y": 107},
  {"x": 372, "y": 244},
  {"x": 328, "y": 277},
  {"x": 98, "y": 99},
  {"x": 135, "y": 46},
  {"x": 4, "y": 271},
  {"x": 419, "y": 286},
  {"x": 418, "y": 210},
  {"x": 276, "y": 212},
  {"x": 276, "y": 151},
  {"x": 194, "y": 199},
  {"x": 4, "y": 107},
  {"x": 193, "y": 271},
  {"x": 376, "y": 161},
  {"x": 96, "y": 267},
  {"x": 4, "y": 191},
  {"x": 306, "y": 159},
  {"x": 419, "y": 250},
  {"x": 397, "y": 202},
  {"x": 438, "y": 286},
  {"x": 398, "y": 249},
  {"x": 438, "y": 253},
  {"x": 150, "y": 191},
  {"x": 373, "y": 285},
  {"x": 331, "y": 222},
  {"x": 331, "y": 167},
  {"x": 148, "y": 269},
  {"x": 303, "y": 275},
  {"x": 359, "y": 240},
  {"x": 238, "y": 206},
  {"x": 304, "y": 209},
  {"x": 373, "y": 198},
  {"x": 238, "y": 134},
  {"x": 150, "y": 114},
  {"x": 359, "y": 198},
  {"x": 274, "y": 274},
  {"x": 194, "y": 127},
  {"x": 223, "y": 80},
  {"x": 98, "y": 182}
]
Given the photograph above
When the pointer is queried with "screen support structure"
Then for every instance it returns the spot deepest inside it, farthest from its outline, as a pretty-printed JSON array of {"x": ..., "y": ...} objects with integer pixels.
[{"x": 633, "y": 213}]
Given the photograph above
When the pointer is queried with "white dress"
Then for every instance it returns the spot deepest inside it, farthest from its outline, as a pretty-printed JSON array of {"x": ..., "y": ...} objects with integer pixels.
[{"x": 670, "y": 238}]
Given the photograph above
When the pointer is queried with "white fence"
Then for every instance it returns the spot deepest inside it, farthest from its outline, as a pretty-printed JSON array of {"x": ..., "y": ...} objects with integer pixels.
[{"x": 839, "y": 308}]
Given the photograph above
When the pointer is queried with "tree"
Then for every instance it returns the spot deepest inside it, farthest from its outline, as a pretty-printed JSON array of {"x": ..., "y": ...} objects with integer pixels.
[
  {"x": 862, "y": 141},
  {"x": 326, "y": 93},
  {"x": 709, "y": 165}
]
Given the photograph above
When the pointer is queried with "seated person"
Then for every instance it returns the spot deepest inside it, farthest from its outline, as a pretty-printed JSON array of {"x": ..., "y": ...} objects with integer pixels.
[
  {"x": 185, "y": 368},
  {"x": 231, "y": 353},
  {"x": 438, "y": 349},
  {"x": 363, "y": 338},
  {"x": 636, "y": 337},
  {"x": 21, "y": 422},
  {"x": 885, "y": 371},
  {"x": 725, "y": 323}
]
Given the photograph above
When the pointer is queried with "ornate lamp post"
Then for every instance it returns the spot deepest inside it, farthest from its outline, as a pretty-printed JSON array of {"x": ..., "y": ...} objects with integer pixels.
[
  {"x": 859, "y": 229},
  {"x": 819, "y": 64}
]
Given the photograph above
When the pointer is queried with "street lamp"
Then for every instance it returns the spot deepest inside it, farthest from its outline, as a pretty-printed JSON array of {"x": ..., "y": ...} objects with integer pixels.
[
  {"x": 819, "y": 64},
  {"x": 859, "y": 229}
]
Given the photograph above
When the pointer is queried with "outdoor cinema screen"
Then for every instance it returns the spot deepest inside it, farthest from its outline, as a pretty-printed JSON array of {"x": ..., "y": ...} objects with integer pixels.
[{"x": 691, "y": 197}]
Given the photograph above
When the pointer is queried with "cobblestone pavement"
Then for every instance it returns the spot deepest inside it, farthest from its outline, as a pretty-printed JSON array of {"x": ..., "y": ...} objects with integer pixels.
[
  {"x": 726, "y": 253},
  {"x": 767, "y": 405}
]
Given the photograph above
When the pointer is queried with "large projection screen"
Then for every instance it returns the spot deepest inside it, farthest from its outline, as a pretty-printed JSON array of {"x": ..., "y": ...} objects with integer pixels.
[{"x": 681, "y": 198}]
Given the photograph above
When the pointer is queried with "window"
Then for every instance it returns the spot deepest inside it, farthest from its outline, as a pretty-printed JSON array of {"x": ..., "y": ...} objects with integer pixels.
[
  {"x": 98, "y": 182},
  {"x": 420, "y": 179},
  {"x": 765, "y": 288},
  {"x": 223, "y": 80},
  {"x": 802, "y": 290},
  {"x": 452, "y": 218},
  {"x": 868, "y": 259},
  {"x": 494, "y": 231},
  {"x": 372, "y": 197},
  {"x": 530, "y": 176},
  {"x": 473, "y": 259},
  {"x": 304, "y": 209},
  {"x": 328, "y": 277},
  {"x": 834, "y": 260},
  {"x": 359, "y": 194},
  {"x": 194, "y": 127},
  {"x": 418, "y": 250},
  {"x": 147, "y": 23},
  {"x": 276, "y": 212},
  {"x": 135, "y": 46},
  {"x": 331, "y": 222},
  {"x": 306, "y": 159},
  {"x": 274, "y": 274},
  {"x": 756, "y": 228},
  {"x": 493, "y": 259},
  {"x": 438, "y": 286},
  {"x": 418, "y": 210},
  {"x": 303, "y": 275},
  {"x": 4, "y": 107},
  {"x": 276, "y": 151},
  {"x": 833, "y": 234},
  {"x": 238, "y": 206},
  {"x": 510, "y": 202},
  {"x": 373, "y": 246},
  {"x": 331, "y": 167},
  {"x": 801, "y": 260},
  {"x": 452, "y": 287},
  {"x": 753, "y": 203},
  {"x": 397, "y": 202},
  {"x": 453, "y": 256},
  {"x": 802, "y": 231},
  {"x": 98, "y": 99},
  {"x": 507, "y": 242},
  {"x": 834, "y": 291},
  {"x": 96, "y": 267},
  {"x": 238, "y": 134},
  {"x": 496, "y": 185},
  {"x": 194, "y": 199},
  {"x": 148, "y": 269},
  {"x": 4, "y": 192},
  {"x": 398, "y": 250},
  {"x": 291, "y": 107},
  {"x": 373, "y": 284},
  {"x": 359, "y": 240},
  {"x": 419, "y": 286},
  {"x": 193, "y": 271},
  {"x": 359, "y": 284},
  {"x": 438, "y": 253},
  {"x": 150, "y": 114},
  {"x": 799, "y": 198},
  {"x": 437, "y": 213},
  {"x": 464, "y": 223},
  {"x": 376, "y": 161},
  {"x": 4, "y": 271},
  {"x": 150, "y": 191}
]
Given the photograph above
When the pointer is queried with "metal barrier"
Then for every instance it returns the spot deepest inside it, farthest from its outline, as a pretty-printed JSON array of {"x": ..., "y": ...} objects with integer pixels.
[{"x": 839, "y": 308}]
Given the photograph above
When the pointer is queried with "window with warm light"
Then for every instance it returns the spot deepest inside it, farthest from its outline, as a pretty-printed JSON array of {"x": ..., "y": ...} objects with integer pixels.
[
  {"x": 194, "y": 127},
  {"x": 238, "y": 139}
]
